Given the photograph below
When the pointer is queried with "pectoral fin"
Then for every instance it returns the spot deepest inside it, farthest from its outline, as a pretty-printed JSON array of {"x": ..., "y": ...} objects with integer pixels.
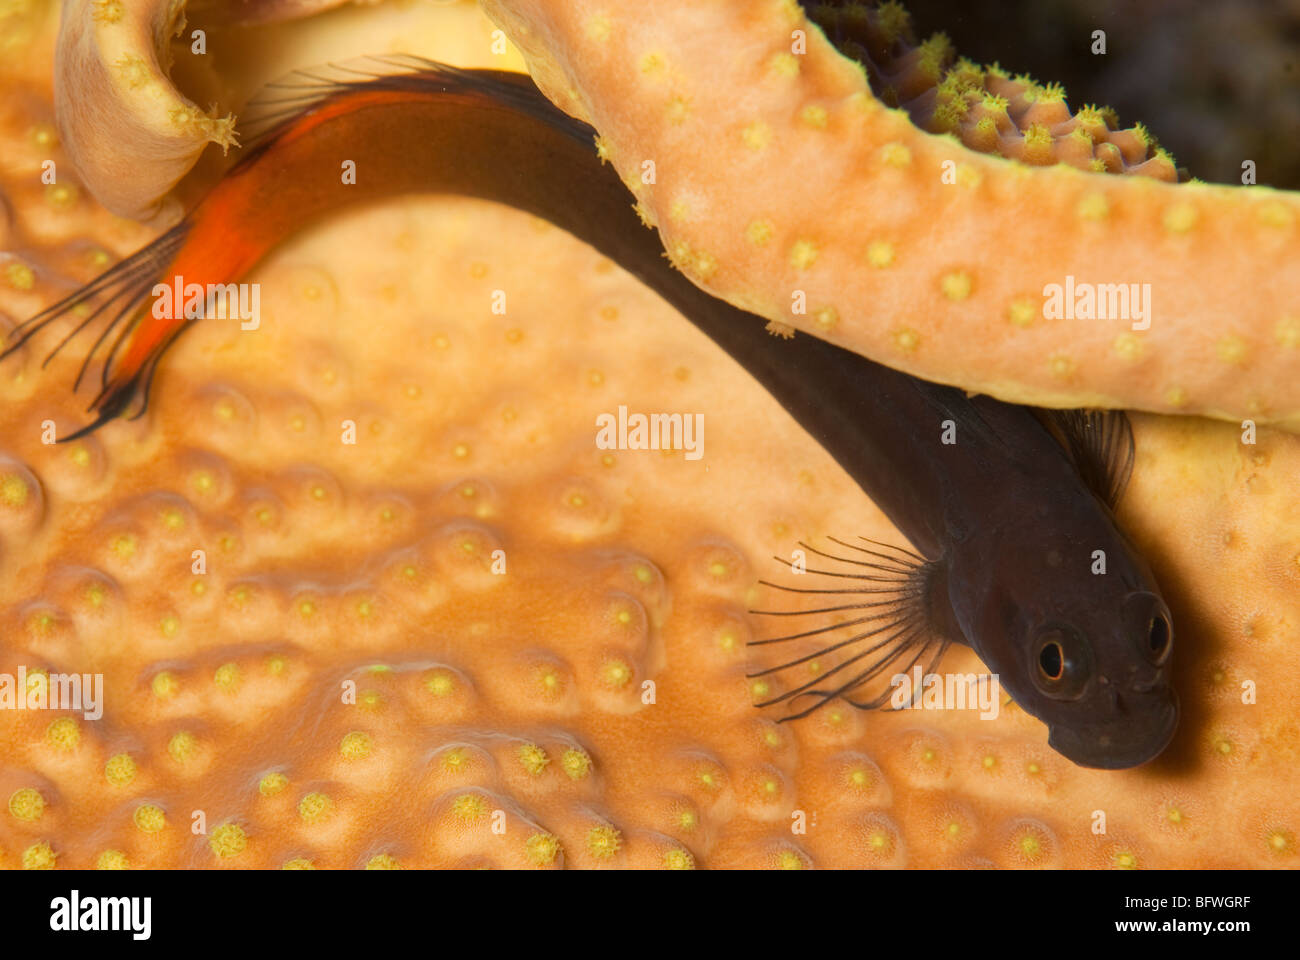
[{"x": 886, "y": 619}]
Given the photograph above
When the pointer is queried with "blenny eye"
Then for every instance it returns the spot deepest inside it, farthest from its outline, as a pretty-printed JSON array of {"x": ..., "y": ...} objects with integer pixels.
[
  {"x": 1051, "y": 660},
  {"x": 1158, "y": 638},
  {"x": 1064, "y": 659}
]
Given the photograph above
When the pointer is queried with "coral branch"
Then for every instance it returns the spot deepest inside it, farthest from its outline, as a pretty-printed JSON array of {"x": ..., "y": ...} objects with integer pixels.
[{"x": 783, "y": 184}]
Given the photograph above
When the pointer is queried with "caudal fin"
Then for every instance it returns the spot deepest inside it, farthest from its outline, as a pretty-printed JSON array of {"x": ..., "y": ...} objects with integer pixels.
[{"x": 114, "y": 304}]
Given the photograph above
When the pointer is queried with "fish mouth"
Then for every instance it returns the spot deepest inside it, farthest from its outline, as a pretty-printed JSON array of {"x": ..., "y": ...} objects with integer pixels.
[{"x": 1101, "y": 751}]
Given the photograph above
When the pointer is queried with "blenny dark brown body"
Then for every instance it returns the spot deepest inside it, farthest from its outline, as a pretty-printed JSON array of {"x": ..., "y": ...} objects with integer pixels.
[{"x": 1009, "y": 510}]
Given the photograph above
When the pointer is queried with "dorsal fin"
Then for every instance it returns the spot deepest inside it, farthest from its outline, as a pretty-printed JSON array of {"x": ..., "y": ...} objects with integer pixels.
[
  {"x": 298, "y": 91},
  {"x": 1100, "y": 442}
]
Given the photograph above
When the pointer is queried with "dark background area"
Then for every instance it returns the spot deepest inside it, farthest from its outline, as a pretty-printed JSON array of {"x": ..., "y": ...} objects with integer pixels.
[{"x": 1216, "y": 81}]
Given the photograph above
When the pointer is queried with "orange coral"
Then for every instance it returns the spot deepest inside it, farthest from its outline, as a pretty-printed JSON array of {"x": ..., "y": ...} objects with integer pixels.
[
  {"x": 348, "y": 682},
  {"x": 913, "y": 249}
]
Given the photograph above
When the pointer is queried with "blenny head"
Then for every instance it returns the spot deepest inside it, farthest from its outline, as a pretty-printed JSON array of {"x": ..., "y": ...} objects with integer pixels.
[{"x": 1069, "y": 616}]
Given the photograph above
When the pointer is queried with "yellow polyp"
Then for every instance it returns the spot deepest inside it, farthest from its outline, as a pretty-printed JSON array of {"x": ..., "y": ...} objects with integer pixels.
[
  {"x": 803, "y": 254},
  {"x": 457, "y": 760},
  {"x": 228, "y": 840},
  {"x": 756, "y": 135},
  {"x": 13, "y": 491},
  {"x": 703, "y": 264},
  {"x": 905, "y": 339},
  {"x": 785, "y": 65},
  {"x": 880, "y": 254},
  {"x": 272, "y": 783},
  {"x": 826, "y": 318},
  {"x": 371, "y": 700},
  {"x": 575, "y": 763},
  {"x": 1061, "y": 365},
  {"x": 383, "y": 861},
  {"x": 598, "y": 27},
  {"x": 181, "y": 746},
  {"x": 956, "y": 286},
  {"x": 1287, "y": 331},
  {"x": 61, "y": 196},
  {"x": 895, "y": 154},
  {"x": 1022, "y": 312},
  {"x": 39, "y": 856},
  {"x": 1231, "y": 349},
  {"x": 120, "y": 769},
  {"x": 533, "y": 758},
  {"x": 651, "y": 62},
  {"x": 1093, "y": 206},
  {"x": 314, "y": 807},
  {"x": 968, "y": 176},
  {"x": 133, "y": 70},
  {"x": 1180, "y": 218},
  {"x": 1128, "y": 346},
  {"x": 64, "y": 734},
  {"x": 678, "y": 858},
  {"x": 934, "y": 53},
  {"x": 106, "y": 11},
  {"x": 440, "y": 684},
  {"x": 1275, "y": 215},
  {"x": 759, "y": 232},
  {"x": 616, "y": 674},
  {"x": 226, "y": 676},
  {"x": 759, "y": 689},
  {"x": 1124, "y": 860},
  {"x": 1175, "y": 396},
  {"x": 355, "y": 746},
  {"x": 679, "y": 211},
  {"x": 789, "y": 860},
  {"x": 1279, "y": 841},
  {"x": 112, "y": 860},
  {"x": 469, "y": 807},
  {"x": 149, "y": 818},
  {"x": 859, "y": 779},
  {"x": 603, "y": 842},
  {"x": 26, "y": 804},
  {"x": 164, "y": 685},
  {"x": 814, "y": 115},
  {"x": 542, "y": 848},
  {"x": 298, "y": 863},
  {"x": 123, "y": 545},
  {"x": 20, "y": 276},
  {"x": 677, "y": 109}
]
